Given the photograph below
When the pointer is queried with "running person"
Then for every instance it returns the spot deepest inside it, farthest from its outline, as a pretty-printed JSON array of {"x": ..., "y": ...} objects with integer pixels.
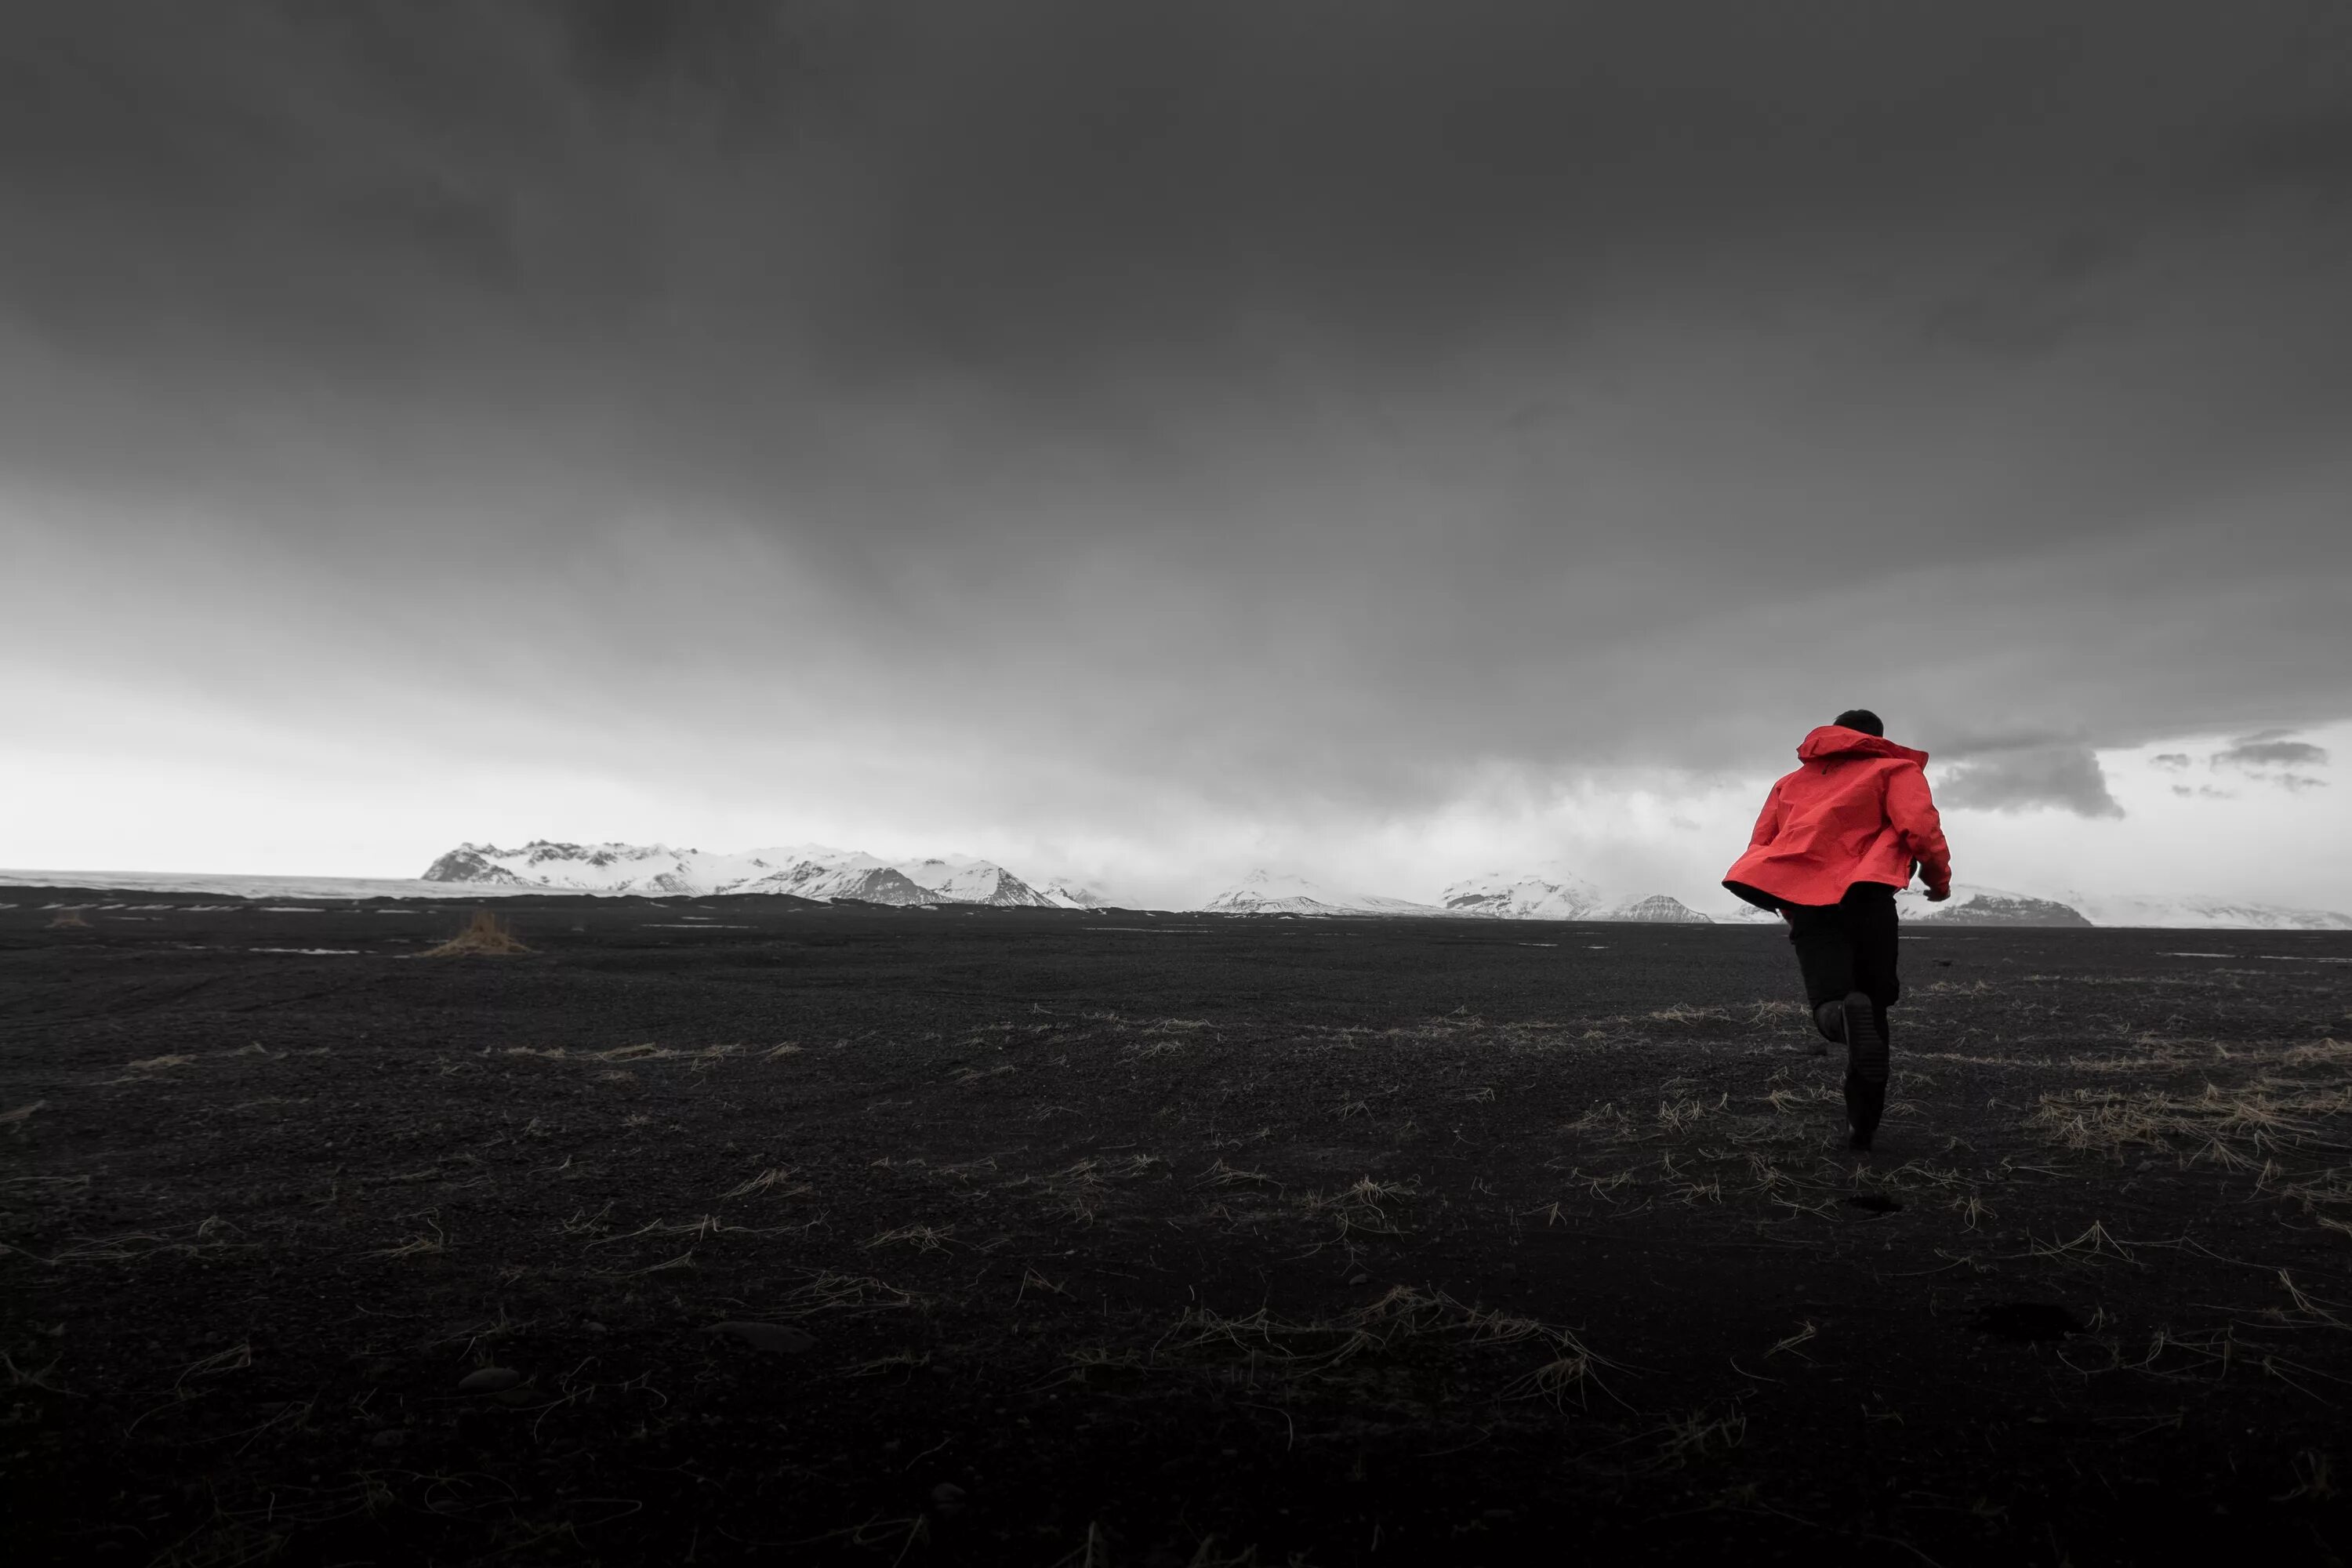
[{"x": 1836, "y": 839}]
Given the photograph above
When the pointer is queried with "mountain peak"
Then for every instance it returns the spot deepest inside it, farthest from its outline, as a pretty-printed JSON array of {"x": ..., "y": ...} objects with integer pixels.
[
  {"x": 1264, "y": 892},
  {"x": 1655, "y": 909},
  {"x": 805, "y": 871},
  {"x": 1545, "y": 893}
]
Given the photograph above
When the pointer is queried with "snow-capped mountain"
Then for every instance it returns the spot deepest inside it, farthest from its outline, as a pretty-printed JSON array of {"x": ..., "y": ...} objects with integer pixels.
[
  {"x": 831, "y": 875},
  {"x": 589, "y": 867},
  {"x": 1547, "y": 893},
  {"x": 805, "y": 871},
  {"x": 1263, "y": 893},
  {"x": 961, "y": 880},
  {"x": 1655, "y": 909},
  {"x": 1075, "y": 893},
  {"x": 2192, "y": 910},
  {"x": 1552, "y": 892},
  {"x": 1988, "y": 906}
]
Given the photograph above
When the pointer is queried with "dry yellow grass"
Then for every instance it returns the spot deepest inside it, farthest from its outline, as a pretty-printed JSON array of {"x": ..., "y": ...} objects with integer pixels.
[
  {"x": 1326, "y": 1347},
  {"x": 487, "y": 935},
  {"x": 778, "y": 1177}
]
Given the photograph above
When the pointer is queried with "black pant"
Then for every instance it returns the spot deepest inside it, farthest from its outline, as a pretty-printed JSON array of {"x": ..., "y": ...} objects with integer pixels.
[{"x": 1848, "y": 946}]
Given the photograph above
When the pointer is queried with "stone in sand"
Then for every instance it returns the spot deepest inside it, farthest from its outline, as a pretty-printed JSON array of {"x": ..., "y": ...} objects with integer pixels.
[
  {"x": 488, "y": 1380},
  {"x": 779, "y": 1337}
]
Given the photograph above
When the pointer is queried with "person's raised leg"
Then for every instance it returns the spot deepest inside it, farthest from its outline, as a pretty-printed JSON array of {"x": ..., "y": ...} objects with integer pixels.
[{"x": 1825, "y": 959}]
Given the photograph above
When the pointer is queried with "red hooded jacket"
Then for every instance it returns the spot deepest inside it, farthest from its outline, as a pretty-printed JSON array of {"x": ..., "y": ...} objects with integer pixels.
[{"x": 1858, "y": 811}]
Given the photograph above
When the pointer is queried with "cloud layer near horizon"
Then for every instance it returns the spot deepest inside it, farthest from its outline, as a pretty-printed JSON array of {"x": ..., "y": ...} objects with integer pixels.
[{"x": 1149, "y": 423}]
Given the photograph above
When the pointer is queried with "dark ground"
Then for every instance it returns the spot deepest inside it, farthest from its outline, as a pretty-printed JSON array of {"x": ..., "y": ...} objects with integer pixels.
[{"x": 1121, "y": 1240}]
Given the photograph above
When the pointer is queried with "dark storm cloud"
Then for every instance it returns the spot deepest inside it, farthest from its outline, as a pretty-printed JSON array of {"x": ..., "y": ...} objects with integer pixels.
[
  {"x": 2259, "y": 751},
  {"x": 1289, "y": 400},
  {"x": 2060, "y": 777},
  {"x": 2257, "y": 755}
]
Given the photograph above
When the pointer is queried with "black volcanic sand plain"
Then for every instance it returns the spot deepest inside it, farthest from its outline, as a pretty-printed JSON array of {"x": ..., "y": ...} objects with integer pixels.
[{"x": 1130, "y": 1239}]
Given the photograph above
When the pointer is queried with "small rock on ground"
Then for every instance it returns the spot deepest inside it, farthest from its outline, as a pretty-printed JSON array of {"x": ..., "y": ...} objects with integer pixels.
[
  {"x": 488, "y": 1380},
  {"x": 782, "y": 1338}
]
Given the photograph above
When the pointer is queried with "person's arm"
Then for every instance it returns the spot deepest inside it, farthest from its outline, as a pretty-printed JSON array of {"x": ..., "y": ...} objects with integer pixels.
[
  {"x": 1912, "y": 809},
  {"x": 1768, "y": 823}
]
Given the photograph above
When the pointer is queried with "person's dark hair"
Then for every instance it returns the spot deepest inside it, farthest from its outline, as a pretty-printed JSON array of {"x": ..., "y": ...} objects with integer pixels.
[{"x": 1861, "y": 719}]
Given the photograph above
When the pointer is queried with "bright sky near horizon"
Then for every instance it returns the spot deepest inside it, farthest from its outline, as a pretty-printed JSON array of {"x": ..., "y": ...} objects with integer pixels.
[{"x": 1147, "y": 442}]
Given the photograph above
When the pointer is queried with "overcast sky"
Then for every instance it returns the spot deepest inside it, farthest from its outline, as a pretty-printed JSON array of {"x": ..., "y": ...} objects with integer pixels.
[{"x": 1383, "y": 441}]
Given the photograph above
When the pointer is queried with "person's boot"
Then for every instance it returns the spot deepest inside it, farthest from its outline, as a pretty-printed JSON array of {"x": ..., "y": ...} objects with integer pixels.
[
  {"x": 1865, "y": 1067},
  {"x": 1829, "y": 1017},
  {"x": 1865, "y": 1103}
]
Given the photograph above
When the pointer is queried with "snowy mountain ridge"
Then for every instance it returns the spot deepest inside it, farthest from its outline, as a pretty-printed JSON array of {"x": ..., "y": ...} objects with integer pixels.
[
  {"x": 2195, "y": 912},
  {"x": 1974, "y": 905},
  {"x": 1077, "y": 893},
  {"x": 1553, "y": 895},
  {"x": 1263, "y": 893},
  {"x": 1546, "y": 890},
  {"x": 805, "y": 871},
  {"x": 1552, "y": 892}
]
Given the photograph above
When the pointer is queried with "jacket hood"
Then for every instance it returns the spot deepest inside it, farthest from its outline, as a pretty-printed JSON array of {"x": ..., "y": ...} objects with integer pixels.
[{"x": 1837, "y": 741}]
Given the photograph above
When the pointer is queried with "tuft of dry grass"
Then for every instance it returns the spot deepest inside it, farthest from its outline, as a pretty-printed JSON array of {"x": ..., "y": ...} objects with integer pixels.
[
  {"x": 896, "y": 1361},
  {"x": 1683, "y": 1013},
  {"x": 484, "y": 935},
  {"x": 1402, "y": 1318},
  {"x": 1603, "y": 1118},
  {"x": 922, "y": 1238},
  {"x": 775, "y": 1176},
  {"x": 1225, "y": 1176},
  {"x": 1030, "y": 1279},
  {"x": 1081, "y": 1190},
  {"x": 2308, "y": 1307},
  {"x": 1681, "y": 1114},
  {"x": 1700, "y": 1433},
  {"x": 1600, "y": 1186},
  {"x": 2095, "y": 1242},
  {"x": 418, "y": 1244},
  {"x": 1357, "y": 1209},
  {"x": 1555, "y": 1380},
  {"x": 2236, "y": 1128},
  {"x": 850, "y": 1294}
]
